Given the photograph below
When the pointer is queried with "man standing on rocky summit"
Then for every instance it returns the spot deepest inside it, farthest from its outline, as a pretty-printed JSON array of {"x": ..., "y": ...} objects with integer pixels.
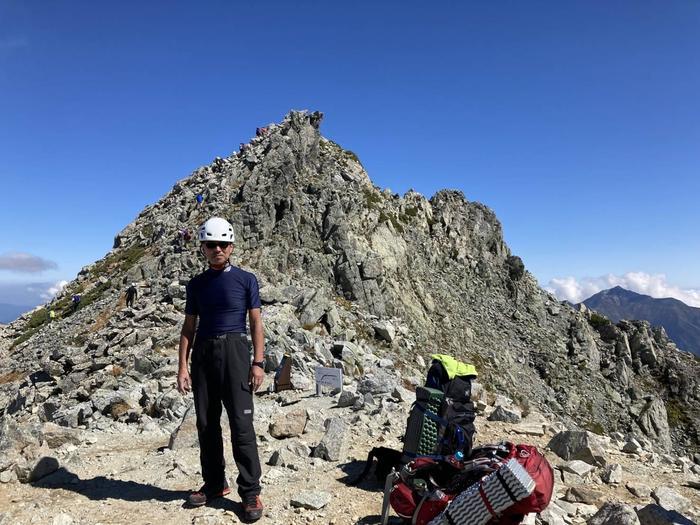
[{"x": 221, "y": 368}]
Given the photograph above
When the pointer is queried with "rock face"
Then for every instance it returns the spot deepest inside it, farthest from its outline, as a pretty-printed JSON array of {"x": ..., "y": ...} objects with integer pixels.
[
  {"x": 614, "y": 514},
  {"x": 653, "y": 420},
  {"x": 502, "y": 413},
  {"x": 669, "y": 499},
  {"x": 351, "y": 276},
  {"x": 612, "y": 474},
  {"x": 334, "y": 444},
  {"x": 656, "y": 515},
  {"x": 583, "y": 446}
]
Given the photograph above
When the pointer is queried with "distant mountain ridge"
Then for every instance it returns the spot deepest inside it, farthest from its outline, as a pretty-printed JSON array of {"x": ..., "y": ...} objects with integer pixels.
[{"x": 681, "y": 322}]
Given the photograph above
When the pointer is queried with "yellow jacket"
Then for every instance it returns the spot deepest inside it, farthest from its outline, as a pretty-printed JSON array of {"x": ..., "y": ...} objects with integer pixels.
[{"x": 455, "y": 368}]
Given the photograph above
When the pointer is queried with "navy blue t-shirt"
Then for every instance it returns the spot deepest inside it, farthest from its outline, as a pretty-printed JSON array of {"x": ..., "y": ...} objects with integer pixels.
[{"x": 221, "y": 299}]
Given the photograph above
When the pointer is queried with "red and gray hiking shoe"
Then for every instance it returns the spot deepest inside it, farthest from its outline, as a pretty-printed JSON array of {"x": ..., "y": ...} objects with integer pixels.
[
  {"x": 204, "y": 495},
  {"x": 253, "y": 508}
]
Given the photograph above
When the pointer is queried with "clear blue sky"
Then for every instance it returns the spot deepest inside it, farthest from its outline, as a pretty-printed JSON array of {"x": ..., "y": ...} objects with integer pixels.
[{"x": 577, "y": 122}]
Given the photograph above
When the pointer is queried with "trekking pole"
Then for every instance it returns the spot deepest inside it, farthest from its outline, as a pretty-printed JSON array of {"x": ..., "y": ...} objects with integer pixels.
[{"x": 388, "y": 484}]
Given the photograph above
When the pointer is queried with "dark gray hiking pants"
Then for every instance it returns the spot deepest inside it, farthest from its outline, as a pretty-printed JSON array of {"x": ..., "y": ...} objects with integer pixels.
[{"x": 220, "y": 371}]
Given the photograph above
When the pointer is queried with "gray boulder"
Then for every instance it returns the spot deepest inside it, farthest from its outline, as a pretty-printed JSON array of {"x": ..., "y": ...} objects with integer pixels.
[
  {"x": 670, "y": 499},
  {"x": 578, "y": 467},
  {"x": 614, "y": 513},
  {"x": 612, "y": 474},
  {"x": 300, "y": 381},
  {"x": 14, "y": 436},
  {"x": 313, "y": 307},
  {"x": 403, "y": 395},
  {"x": 643, "y": 348},
  {"x": 346, "y": 399},
  {"x": 312, "y": 500},
  {"x": 36, "y": 469},
  {"x": 385, "y": 330},
  {"x": 291, "y": 424},
  {"x": 56, "y": 435},
  {"x": 7, "y": 476},
  {"x": 185, "y": 435},
  {"x": 349, "y": 355},
  {"x": 292, "y": 456},
  {"x": 380, "y": 381},
  {"x": 632, "y": 446},
  {"x": 638, "y": 489},
  {"x": 656, "y": 515},
  {"x": 582, "y": 494},
  {"x": 585, "y": 446},
  {"x": 553, "y": 515},
  {"x": 73, "y": 416},
  {"x": 653, "y": 420},
  {"x": 507, "y": 415},
  {"x": 333, "y": 445}
]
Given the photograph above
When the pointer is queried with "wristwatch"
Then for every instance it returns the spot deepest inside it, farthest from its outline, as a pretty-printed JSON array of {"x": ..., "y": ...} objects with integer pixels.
[{"x": 261, "y": 364}]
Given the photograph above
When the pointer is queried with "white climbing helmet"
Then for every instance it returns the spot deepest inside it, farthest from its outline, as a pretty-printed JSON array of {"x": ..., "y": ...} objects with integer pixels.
[{"x": 216, "y": 229}]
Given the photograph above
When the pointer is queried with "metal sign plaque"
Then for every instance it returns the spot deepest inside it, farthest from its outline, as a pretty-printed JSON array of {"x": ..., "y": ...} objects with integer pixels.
[{"x": 328, "y": 377}]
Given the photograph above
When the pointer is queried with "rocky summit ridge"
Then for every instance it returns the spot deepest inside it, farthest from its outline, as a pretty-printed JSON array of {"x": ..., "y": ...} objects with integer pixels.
[{"x": 351, "y": 276}]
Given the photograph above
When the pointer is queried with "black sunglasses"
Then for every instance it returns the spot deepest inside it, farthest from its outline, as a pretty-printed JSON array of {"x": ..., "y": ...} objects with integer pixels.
[{"x": 213, "y": 244}]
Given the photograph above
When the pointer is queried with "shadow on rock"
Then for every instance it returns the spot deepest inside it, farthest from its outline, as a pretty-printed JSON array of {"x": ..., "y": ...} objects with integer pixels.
[
  {"x": 100, "y": 487},
  {"x": 353, "y": 470},
  {"x": 232, "y": 506},
  {"x": 42, "y": 468}
]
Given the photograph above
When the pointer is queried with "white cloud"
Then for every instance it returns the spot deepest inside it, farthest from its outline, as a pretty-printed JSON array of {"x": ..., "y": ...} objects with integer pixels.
[
  {"x": 53, "y": 290},
  {"x": 25, "y": 263},
  {"x": 575, "y": 290}
]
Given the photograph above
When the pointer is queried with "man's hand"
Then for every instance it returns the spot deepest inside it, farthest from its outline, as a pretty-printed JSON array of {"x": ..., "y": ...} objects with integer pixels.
[
  {"x": 256, "y": 377},
  {"x": 184, "y": 383}
]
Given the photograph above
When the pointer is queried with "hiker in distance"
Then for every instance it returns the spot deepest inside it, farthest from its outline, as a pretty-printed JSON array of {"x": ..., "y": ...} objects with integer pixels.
[
  {"x": 76, "y": 302},
  {"x": 131, "y": 295},
  {"x": 220, "y": 297}
]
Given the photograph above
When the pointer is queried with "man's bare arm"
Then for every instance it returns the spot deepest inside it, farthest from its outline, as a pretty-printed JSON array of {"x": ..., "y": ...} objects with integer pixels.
[
  {"x": 186, "y": 339},
  {"x": 257, "y": 375},
  {"x": 257, "y": 334}
]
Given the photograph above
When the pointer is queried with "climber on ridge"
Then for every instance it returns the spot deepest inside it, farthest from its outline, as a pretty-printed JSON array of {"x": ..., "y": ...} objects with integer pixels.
[{"x": 131, "y": 294}]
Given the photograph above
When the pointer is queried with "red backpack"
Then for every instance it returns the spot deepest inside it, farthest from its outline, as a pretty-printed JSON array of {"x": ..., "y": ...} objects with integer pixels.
[
  {"x": 425, "y": 486},
  {"x": 417, "y": 494},
  {"x": 541, "y": 473}
]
